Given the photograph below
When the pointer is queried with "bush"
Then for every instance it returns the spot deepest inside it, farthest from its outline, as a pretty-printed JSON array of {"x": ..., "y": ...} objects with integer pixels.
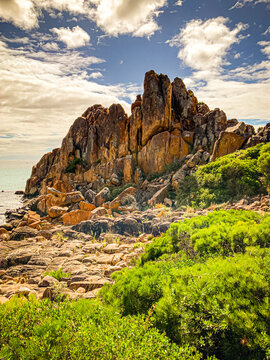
[
  {"x": 207, "y": 281},
  {"x": 71, "y": 168},
  {"x": 57, "y": 274},
  {"x": 220, "y": 307},
  {"x": 36, "y": 330},
  {"x": 219, "y": 233},
  {"x": 231, "y": 177}
]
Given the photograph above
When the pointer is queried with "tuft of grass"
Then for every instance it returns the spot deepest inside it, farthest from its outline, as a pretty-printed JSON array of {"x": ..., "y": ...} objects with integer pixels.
[{"x": 57, "y": 274}]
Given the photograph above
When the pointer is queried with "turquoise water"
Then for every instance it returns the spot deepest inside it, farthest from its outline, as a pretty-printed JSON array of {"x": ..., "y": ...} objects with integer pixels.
[
  {"x": 13, "y": 176},
  {"x": 14, "y": 173}
]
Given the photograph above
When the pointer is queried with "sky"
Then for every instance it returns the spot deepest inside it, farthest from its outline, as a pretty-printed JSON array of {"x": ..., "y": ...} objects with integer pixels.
[{"x": 58, "y": 57}]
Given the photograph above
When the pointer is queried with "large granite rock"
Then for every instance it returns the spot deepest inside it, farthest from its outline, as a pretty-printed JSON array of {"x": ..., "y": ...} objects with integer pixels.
[{"x": 106, "y": 147}]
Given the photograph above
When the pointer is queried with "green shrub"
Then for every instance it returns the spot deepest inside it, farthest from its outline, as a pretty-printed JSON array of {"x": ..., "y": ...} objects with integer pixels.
[
  {"x": 219, "y": 233},
  {"x": 210, "y": 286},
  {"x": 57, "y": 274},
  {"x": 264, "y": 165},
  {"x": 220, "y": 306},
  {"x": 37, "y": 330},
  {"x": 71, "y": 168},
  {"x": 230, "y": 177}
]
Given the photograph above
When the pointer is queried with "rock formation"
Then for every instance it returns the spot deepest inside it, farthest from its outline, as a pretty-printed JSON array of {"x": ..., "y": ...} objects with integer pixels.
[{"x": 167, "y": 124}]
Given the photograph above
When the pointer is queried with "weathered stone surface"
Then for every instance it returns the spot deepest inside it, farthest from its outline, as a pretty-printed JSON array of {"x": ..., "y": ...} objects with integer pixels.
[
  {"x": 127, "y": 225},
  {"x": 23, "y": 232},
  {"x": 262, "y": 136},
  {"x": 48, "y": 281},
  {"x": 120, "y": 199},
  {"x": 162, "y": 150},
  {"x": 75, "y": 217},
  {"x": 56, "y": 211},
  {"x": 90, "y": 196},
  {"x": 177, "y": 177},
  {"x": 159, "y": 196},
  {"x": 102, "y": 196},
  {"x": 84, "y": 205},
  {"x": 92, "y": 227},
  {"x": 232, "y": 139},
  {"x": 156, "y": 105},
  {"x": 99, "y": 211}
]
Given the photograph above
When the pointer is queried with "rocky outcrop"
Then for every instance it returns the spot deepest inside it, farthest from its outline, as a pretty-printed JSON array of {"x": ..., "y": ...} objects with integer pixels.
[
  {"x": 106, "y": 147},
  {"x": 232, "y": 139}
]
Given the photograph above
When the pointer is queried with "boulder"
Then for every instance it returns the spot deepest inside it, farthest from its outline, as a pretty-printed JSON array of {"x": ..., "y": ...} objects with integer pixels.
[
  {"x": 90, "y": 196},
  {"x": 23, "y": 232},
  {"x": 57, "y": 211},
  {"x": 48, "y": 281},
  {"x": 102, "y": 197},
  {"x": 93, "y": 227},
  {"x": 120, "y": 199},
  {"x": 159, "y": 196},
  {"x": 75, "y": 217},
  {"x": 97, "y": 212},
  {"x": 84, "y": 205},
  {"x": 126, "y": 225},
  {"x": 177, "y": 177}
]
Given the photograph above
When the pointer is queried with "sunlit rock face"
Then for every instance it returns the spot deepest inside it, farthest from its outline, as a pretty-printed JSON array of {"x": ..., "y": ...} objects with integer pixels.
[{"x": 105, "y": 146}]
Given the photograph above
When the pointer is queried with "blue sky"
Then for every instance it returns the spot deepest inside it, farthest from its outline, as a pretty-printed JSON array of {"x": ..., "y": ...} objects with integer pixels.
[{"x": 59, "y": 57}]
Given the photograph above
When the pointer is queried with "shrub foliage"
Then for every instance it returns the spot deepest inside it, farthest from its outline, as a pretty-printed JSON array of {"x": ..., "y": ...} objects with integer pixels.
[
  {"x": 230, "y": 177},
  {"x": 207, "y": 281}
]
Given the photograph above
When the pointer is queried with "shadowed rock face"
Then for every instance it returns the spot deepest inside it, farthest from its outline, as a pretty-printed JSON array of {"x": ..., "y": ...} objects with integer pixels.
[{"x": 166, "y": 125}]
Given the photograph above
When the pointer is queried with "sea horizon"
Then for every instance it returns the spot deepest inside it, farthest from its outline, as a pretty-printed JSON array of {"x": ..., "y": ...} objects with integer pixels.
[
  {"x": 14, "y": 174},
  {"x": 13, "y": 177}
]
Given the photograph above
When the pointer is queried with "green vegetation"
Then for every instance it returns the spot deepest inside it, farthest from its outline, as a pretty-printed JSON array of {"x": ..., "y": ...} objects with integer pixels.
[
  {"x": 57, "y": 274},
  {"x": 207, "y": 281},
  {"x": 200, "y": 291},
  {"x": 71, "y": 168},
  {"x": 42, "y": 330},
  {"x": 230, "y": 177}
]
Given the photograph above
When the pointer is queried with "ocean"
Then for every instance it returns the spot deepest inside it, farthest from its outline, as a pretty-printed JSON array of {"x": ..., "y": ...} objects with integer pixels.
[{"x": 13, "y": 176}]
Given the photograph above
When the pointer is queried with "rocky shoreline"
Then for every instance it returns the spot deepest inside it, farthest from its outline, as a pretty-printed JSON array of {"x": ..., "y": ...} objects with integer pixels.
[{"x": 89, "y": 251}]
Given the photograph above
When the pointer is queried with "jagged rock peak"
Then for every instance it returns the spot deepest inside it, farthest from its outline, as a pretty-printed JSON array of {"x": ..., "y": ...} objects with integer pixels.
[{"x": 165, "y": 126}]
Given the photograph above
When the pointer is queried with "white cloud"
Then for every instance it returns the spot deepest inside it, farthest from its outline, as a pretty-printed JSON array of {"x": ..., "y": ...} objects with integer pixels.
[
  {"x": 237, "y": 56},
  {"x": 72, "y": 6},
  {"x": 179, "y": 3},
  {"x": 127, "y": 16},
  {"x": 51, "y": 46},
  {"x": 42, "y": 93},
  {"x": 114, "y": 17},
  {"x": 240, "y": 91},
  {"x": 237, "y": 98},
  {"x": 73, "y": 38},
  {"x": 21, "y": 13},
  {"x": 204, "y": 44},
  {"x": 18, "y": 40},
  {"x": 266, "y": 47},
  {"x": 96, "y": 75},
  {"x": 241, "y": 3}
]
